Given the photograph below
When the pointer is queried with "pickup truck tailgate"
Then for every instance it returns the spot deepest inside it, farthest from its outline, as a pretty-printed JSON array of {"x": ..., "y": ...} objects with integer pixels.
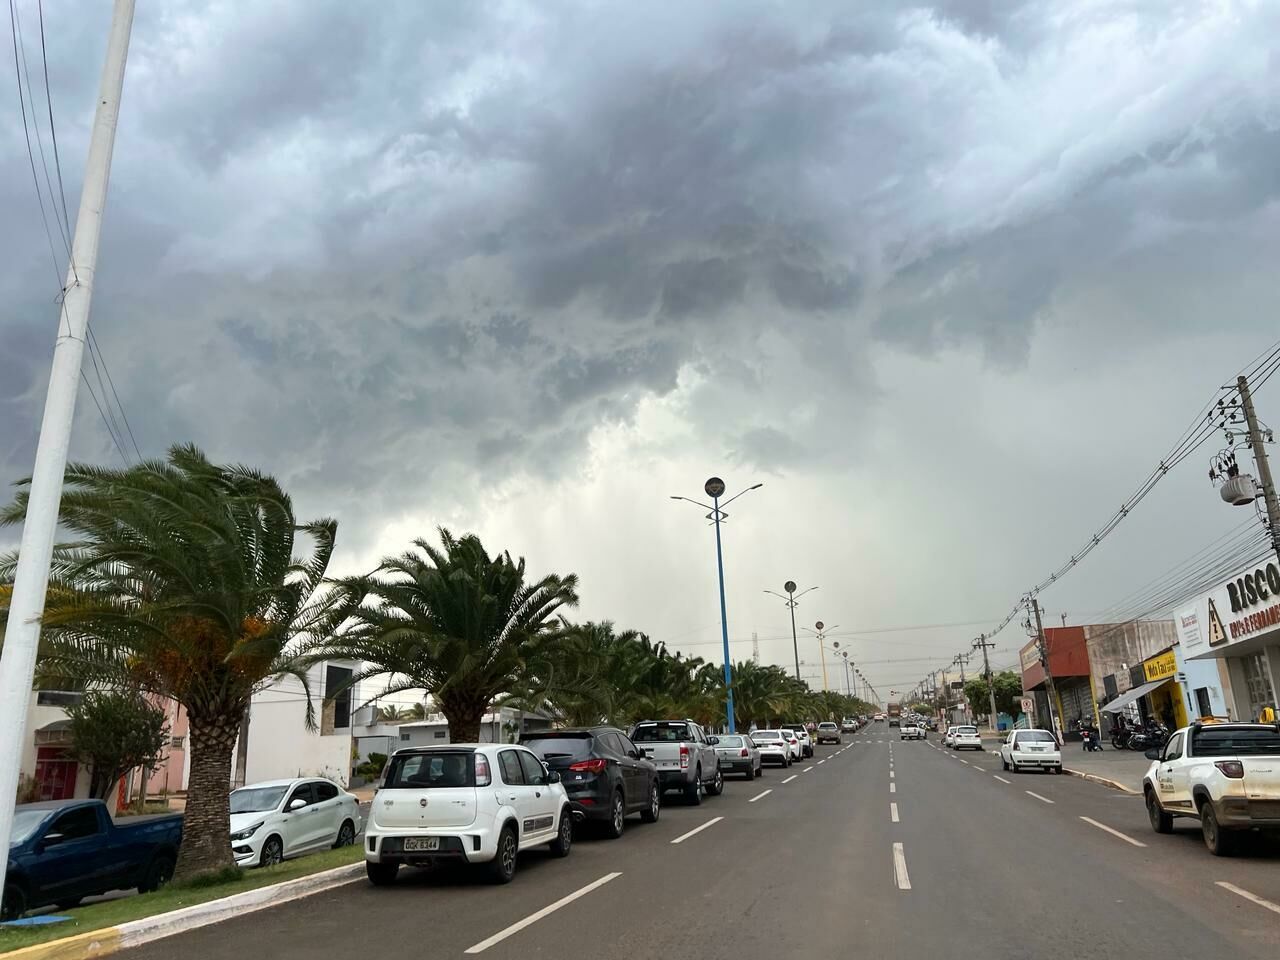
[
  {"x": 665, "y": 756},
  {"x": 1262, "y": 786}
]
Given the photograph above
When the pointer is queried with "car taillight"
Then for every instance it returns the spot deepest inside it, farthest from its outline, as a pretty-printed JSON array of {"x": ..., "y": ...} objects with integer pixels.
[
  {"x": 589, "y": 766},
  {"x": 745, "y": 752},
  {"x": 1231, "y": 768},
  {"x": 684, "y": 756},
  {"x": 483, "y": 779}
]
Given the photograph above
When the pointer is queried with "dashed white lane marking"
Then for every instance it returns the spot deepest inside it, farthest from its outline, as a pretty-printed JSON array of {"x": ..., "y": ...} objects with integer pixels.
[
  {"x": 821, "y": 762},
  {"x": 1038, "y": 797},
  {"x": 962, "y": 760},
  {"x": 760, "y": 796},
  {"x": 892, "y": 775},
  {"x": 893, "y": 788},
  {"x": 545, "y": 911},
  {"x": 893, "y": 812},
  {"x": 1115, "y": 833},
  {"x": 806, "y": 769},
  {"x": 900, "y": 868},
  {"x": 1241, "y": 892},
  {"x": 698, "y": 829},
  {"x": 790, "y": 778},
  {"x": 1001, "y": 779}
]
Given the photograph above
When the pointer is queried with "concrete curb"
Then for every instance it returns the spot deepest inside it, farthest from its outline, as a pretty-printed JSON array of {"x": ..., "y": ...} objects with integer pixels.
[
  {"x": 100, "y": 943},
  {"x": 1114, "y": 785}
]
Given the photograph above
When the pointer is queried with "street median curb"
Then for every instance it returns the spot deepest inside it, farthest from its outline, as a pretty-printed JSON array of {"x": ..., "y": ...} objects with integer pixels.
[
  {"x": 134, "y": 933},
  {"x": 1114, "y": 785}
]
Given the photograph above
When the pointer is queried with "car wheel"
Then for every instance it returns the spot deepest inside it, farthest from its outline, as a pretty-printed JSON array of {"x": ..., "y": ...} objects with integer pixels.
[
  {"x": 1004, "y": 763},
  {"x": 159, "y": 872},
  {"x": 1161, "y": 822},
  {"x": 693, "y": 792},
  {"x": 14, "y": 902},
  {"x": 1057, "y": 771},
  {"x": 272, "y": 852},
  {"x": 502, "y": 868},
  {"x": 381, "y": 874},
  {"x": 650, "y": 813},
  {"x": 561, "y": 845},
  {"x": 1220, "y": 842},
  {"x": 617, "y": 817},
  {"x": 716, "y": 786},
  {"x": 346, "y": 834}
]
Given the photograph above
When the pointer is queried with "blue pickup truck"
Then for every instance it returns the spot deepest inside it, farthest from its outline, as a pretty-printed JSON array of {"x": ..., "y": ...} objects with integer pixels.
[{"x": 62, "y": 851}]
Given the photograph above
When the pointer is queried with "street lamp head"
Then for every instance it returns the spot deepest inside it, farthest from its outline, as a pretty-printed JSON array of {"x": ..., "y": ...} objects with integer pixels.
[
  {"x": 714, "y": 487},
  {"x": 789, "y": 586},
  {"x": 818, "y": 625},
  {"x": 835, "y": 644}
]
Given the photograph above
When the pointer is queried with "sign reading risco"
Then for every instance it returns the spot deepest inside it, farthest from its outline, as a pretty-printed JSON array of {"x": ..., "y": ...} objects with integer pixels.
[{"x": 1249, "y": 591}]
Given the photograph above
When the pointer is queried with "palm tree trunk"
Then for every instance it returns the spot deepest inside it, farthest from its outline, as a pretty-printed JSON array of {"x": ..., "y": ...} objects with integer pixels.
[
  {"x": 464, "y": 714},
  {"x": 206, "y": 825}
]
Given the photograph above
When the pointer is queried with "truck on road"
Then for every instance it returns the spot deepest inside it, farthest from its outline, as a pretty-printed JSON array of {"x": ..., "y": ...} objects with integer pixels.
[
  {"x": 895, "y": 714},
  {"x": 684, "y": 755},
  {"x": 61, "y": 851}
]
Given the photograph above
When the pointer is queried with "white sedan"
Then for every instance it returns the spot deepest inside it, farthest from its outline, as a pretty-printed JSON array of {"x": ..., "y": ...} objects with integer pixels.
[
  {"x": 774, "y": 747},
  {"x": 965, "y": 737},
  {"x": 277, "y": 819},
  {"x": 1031, "y": 750}
]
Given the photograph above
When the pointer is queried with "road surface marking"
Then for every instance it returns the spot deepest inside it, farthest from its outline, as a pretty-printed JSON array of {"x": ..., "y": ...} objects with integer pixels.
[
  {"x": 1266, "y": 904},
  {"x": 891, "y": 774},
  {"x": 545, "y": 911},
  {"x": 1001, "y": 779},
  {"x": 698, "y": 829},
  {"x": 790, "y": 778},
  {"x": 760, "y": 796},
  {"x": 821, "y": 762},
  {"x": 1114, "y": 833},
  {"x": 893, "y": 812},
  {"x": 806, "y": 769},
  {"x": 893, "y": 788},
  {"x": 1038, "y": 797},
  {"x": 900, "y": 868},
  {"x": 962, "y": 760}
]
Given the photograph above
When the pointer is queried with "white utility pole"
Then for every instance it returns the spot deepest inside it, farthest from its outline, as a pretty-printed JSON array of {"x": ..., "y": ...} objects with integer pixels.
[{"x": 22, "y": 632}]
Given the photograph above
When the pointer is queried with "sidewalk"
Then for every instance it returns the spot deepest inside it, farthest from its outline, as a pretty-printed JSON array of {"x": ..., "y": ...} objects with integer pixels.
[{"x": 1124, "y": 767}]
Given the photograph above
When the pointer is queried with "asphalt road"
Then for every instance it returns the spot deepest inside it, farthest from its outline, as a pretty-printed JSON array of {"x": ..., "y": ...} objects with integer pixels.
[{"x": 872, "y": 849}]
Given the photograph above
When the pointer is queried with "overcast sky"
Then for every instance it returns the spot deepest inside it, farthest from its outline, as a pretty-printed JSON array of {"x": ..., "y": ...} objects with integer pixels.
[{"x": 948, "y": 279}]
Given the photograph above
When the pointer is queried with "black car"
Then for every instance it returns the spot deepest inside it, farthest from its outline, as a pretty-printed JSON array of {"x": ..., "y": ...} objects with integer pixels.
[{"x": 604, "y": 773}]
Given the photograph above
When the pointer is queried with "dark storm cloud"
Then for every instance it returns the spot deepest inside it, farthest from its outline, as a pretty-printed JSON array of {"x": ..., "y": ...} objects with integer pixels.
[{"x": 378, "y": 251}]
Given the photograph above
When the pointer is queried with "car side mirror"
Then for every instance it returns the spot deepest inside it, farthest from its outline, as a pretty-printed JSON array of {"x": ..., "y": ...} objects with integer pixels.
[
  {"x": 637, "y": 754},
  {"x": 552, "y": 777},
  {"x": 1153, "y": 754},
  {"x": 297, "y": 803},
  {"x": 52, "y": 839},
  {"x": 713, "y": 740}
]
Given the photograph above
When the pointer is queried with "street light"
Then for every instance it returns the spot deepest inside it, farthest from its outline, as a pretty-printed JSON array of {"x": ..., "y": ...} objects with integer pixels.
[
  {"x": 819, "y": 631},
  {"x": 791, "y": 598},
  {"x": 714, "y": 488}
]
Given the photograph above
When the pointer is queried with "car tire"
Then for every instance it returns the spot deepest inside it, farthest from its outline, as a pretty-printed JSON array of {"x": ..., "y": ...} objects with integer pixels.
[
  {"x": 616, "y": 824},
  {"x": 346, "y": 835},
  {"x": 1004, "y": 764},
  {"x": 1221, "y": 843},
  {"x": 693, "y": 791},
  {"x": 14, "y": 902},
  {"x": 502, "y": 868},
  {"x": 381, "y": 874},
  {"x": 272, "y": 852},
  {"x": 1057, "y": 771},
  {"x": 716, "y": 786},
  {"x": 650, "y": 813},
  {"x": 1161, "y": 822},
  {"x": 159, "y": 872},
  {"x": 563, "y": 842}
]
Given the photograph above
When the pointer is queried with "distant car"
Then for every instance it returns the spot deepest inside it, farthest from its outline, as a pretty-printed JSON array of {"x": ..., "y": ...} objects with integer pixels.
[
  {"x": 793, "y": 740},
  {"x": 828, "y": 733},
  {"x": 774, "y": 746},
  {"x": 879, "y": 718},
  {"x": 806, "y": 741},
  {"x": 908, "y": 730},
  {"x": 278, "y": 819},
  {"x": 738, "y": 753},
  {"x": 606, "y": 776},
  {"x": 849, "y": 726},
  {"x": 479, "y": 803},
  {"x": 948, "y": 738},
  {"x": 965, "y": 737},
  {"x": 1030, "y": 750}
]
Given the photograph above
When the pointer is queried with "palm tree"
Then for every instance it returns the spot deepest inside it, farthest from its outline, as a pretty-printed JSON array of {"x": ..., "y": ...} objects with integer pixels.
[
  {"x": 181, "y": 579},
  {"x": 450, "y": 620}
]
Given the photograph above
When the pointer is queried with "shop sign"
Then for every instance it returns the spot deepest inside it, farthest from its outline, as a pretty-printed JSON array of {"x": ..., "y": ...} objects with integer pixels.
[
  {"x": 1243, "y": 607},
  {"x": 1161, "y": 667}
]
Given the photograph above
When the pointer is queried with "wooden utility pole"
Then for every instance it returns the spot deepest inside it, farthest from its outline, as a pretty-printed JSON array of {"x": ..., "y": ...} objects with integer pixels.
[
  {"x": 1260, "y": 458},
  {"x": 1043, "y": 646},
  {"x": 983, "y": 643}
]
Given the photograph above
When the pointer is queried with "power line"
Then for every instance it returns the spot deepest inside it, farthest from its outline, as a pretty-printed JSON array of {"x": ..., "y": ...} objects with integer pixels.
[
  {"x": 53, "y": 129},
  {"x": 96, "y": 352}
]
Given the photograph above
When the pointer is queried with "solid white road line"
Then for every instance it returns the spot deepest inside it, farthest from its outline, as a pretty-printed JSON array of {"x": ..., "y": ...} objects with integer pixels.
[
  {"x": 1001, "y": 779},
  {"x": 760, "y": 796},
  {"x": 893, "y": 812},
  {"x": 1114, "y": 833},
  {"x": 545, "y": 911},
  {"x": 698, "y": 829},
  {"x": 893, "y": 788},
  {"x": 790, "y": 778},
  {"x": 900, "y": 868},
  {"x": 806, "y": 769},
  {"x": 1038, "y": 797},
  {"x": 1240, "y": 892}
]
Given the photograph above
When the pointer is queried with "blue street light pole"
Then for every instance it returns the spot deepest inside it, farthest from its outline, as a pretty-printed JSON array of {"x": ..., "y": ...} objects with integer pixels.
[{"x": 714, "y": 488}]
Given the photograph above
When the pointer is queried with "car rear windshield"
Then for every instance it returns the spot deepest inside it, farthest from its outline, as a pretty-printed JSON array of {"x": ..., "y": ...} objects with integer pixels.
[
  {"x": 826, "y": 726},
  {"x": 431, "y": 771},
  {"x": 766, "y": 735},
  {"x": 662, "y": 732},
  {"x": 1237, "y": 742},
  {"x": 1032, "y": 736},
  {"x": 573, "y": 746},
  {"x": 969, "y": 730},
  {"x": 731, "y": 742}
]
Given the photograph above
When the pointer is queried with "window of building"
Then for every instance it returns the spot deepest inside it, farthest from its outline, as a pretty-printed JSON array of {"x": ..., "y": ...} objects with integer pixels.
[
  {"x": 1257, "y": 681},
  {"x": 337, "y": 689},
  {"x": 1204, "y": 706},
  {"x": 440, "y": 734}
]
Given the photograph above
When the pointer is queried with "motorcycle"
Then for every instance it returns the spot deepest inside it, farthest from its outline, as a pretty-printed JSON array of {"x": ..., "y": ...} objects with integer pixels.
[
  {"x": 1153, "y": 735},
  {"x": 1092, "y": 742},
  {"x": 1120, "y": 737}
]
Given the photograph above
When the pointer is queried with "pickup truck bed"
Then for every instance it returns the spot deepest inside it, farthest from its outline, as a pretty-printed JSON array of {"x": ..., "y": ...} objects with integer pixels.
[{"x": 62, "y": 851}]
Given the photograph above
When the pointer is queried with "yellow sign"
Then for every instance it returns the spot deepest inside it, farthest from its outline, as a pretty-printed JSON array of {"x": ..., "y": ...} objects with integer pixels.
[{"x": 1161, "y": 667}]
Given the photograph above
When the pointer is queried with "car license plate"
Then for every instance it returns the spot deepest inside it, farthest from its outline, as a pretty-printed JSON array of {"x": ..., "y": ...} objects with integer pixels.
[{"x": 420, "y": 844}]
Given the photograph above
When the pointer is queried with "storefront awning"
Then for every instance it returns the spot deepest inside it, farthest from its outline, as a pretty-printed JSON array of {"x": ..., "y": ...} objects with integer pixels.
[{"x": 1132, "y": 696}]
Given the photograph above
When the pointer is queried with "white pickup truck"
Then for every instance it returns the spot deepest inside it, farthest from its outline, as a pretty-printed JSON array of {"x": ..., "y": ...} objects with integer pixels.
[
  {"x": 684, "y": 755},
  {"x": 1226, "y": 775}
]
